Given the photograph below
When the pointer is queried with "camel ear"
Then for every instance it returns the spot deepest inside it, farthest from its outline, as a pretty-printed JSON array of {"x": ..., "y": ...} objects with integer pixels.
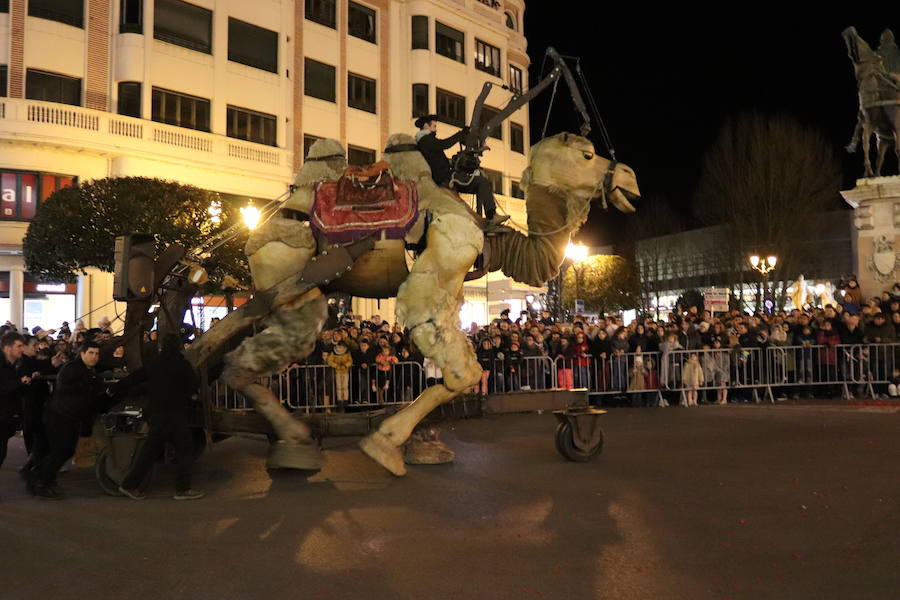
[
  {"x": 565, "y": 138},
  {"x": 526, "y": 179}
]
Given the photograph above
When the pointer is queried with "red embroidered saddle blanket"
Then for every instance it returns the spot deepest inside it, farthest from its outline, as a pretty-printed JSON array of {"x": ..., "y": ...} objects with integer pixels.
[{"x": 363, "y": 201}]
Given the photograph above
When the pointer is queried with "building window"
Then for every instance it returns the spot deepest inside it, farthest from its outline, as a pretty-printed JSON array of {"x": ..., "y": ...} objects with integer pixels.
[
  {"x": 511, "y": 21},
  {"x": 4, "y": 6},
  {"x": 323, "y": 12},
  {"x": 131, "y": 17},
  {"x": 517, "y": 138},
  {"x": 252, "y": 46},
  {"x": 252, "y": 126},
  {"x": 4, "y": 80},
  {"x": 70, "y": 12},
  {"x": 449, "y": 42},
  {"x": 420, "y": 32},
  {"x": 451, "y": 109},
  {"x": 419, "y": 100},
  {"x": 515, "y": 80},
  {"x": 180, "y": 110},
  {"x": 361, "y": 22},
  {"x": 487, "y": 58},
  {"x": 496, "y": 179},
  {"x": 361, "y": 93},
  {"x": 515, "y": 190},
  {"x": 183, "y": 24},
  {"x": 51, "y": 87},
  {"x": 360, "y": 157},
  {"x": 308, "y": 141},
  {"x": 22, "y": 192},
  {"x": 318, "y": 80},
  {"x": 130, "y": 98},
  {"x": 487, "y": 114}
]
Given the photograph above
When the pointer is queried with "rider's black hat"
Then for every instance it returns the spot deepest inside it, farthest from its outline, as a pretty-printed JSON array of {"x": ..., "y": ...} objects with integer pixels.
[{"x": 420, "y": 122}]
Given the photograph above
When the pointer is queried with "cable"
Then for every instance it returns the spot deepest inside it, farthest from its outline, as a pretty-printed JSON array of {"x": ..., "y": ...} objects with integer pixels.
[{"x": 549, "y": 109}]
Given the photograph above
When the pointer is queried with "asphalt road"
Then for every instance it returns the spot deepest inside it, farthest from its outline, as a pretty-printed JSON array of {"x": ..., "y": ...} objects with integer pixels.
[{"x": 712, "y": 502}]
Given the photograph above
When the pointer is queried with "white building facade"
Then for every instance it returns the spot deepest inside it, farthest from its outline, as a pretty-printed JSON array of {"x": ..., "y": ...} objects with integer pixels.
[{"x": 226, "y": 95}]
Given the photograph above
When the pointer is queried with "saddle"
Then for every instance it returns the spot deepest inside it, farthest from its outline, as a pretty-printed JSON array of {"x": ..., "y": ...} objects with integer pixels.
[{"x": 364, "y": 201}]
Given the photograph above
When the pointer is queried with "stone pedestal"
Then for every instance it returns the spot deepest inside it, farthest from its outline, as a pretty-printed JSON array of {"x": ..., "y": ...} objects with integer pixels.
[{"x": 876, "y": 232}]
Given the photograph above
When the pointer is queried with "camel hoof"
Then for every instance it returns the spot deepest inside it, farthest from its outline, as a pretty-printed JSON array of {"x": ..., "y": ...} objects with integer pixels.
[
  {"x": 380, "y": 449},
  {"x": 434, "y": 452},
  {"x": 305, "y": 457}
]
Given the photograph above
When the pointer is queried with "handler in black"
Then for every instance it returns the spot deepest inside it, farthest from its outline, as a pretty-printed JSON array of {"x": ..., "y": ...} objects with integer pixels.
[
  {"x": 433, "y": 150},
  {"x": 12, "y": 387},
  {"x": 172, "y": 382},
  {"x": 78, "y": 397}
]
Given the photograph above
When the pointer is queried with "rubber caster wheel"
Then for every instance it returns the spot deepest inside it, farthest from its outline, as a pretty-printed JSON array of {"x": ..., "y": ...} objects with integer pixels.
[
  {"x": 109, "y": 485},
  {"x": 565, "y": 445}
]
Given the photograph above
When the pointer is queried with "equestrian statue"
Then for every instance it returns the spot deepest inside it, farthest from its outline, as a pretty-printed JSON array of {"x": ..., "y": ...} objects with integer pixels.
[{"x": 878, "y": 81}]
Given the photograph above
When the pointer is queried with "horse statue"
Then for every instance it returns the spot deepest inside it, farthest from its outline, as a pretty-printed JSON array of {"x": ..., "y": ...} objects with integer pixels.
[
  {"x": 318, "y": 242},
  {"x": 878, "y": 81}
]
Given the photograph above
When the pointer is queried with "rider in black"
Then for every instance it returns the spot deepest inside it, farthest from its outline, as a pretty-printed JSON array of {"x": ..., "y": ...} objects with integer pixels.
[{"x": 433, "y": 150}]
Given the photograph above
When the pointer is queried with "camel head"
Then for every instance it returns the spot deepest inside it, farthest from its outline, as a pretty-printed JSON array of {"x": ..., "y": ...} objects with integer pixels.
[
  {"x": 406, "y": 161},
  {"x": 325, "y": 161},
  {"x": 568, "y": 164}
]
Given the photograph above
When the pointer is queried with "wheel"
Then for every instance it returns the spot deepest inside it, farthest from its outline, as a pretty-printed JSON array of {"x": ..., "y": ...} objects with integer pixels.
[
  {"x": 565, "y": 445},
  {"x": 103, "y": 479},
  {"x": 106, "y": 482}
]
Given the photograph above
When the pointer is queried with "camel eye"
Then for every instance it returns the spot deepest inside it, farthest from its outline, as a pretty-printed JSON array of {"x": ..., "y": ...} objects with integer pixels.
[{"x": 587, "y": 155}]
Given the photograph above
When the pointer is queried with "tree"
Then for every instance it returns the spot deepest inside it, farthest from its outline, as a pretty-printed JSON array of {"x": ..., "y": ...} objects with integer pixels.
[
  {"x": 652, "y": 252},
  {"x": 606, "y": 283},
  {"x": 76, "y": 227},
  {"x": 765, "y": 179}
]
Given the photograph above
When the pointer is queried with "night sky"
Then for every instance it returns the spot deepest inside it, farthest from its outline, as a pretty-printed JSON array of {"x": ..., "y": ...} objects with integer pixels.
[{"x": 665, "y": 84}]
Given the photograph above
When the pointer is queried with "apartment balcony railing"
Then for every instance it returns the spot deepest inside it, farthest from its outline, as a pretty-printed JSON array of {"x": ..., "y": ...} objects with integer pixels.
[{"x": 103, "y": 132}]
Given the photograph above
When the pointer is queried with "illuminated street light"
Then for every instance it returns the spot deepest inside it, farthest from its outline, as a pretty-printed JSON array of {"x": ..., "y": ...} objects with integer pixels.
[
  {"x": 764, "y": 267},
  {"x": 576, "y": 252},
  {"x": 251, "y": 216}
]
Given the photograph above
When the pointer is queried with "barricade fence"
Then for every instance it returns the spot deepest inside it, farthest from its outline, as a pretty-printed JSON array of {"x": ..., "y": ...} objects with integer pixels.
[
  {"x": 317, "y": 388},
  {"x": 750, "y": 373}
]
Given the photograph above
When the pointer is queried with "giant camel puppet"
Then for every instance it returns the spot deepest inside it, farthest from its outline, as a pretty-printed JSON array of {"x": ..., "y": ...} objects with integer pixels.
[{"x": 563, "y": 176}]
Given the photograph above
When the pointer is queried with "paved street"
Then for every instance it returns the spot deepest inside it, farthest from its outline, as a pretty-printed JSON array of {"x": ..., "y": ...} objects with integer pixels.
[{"x": 714, "y": 502}]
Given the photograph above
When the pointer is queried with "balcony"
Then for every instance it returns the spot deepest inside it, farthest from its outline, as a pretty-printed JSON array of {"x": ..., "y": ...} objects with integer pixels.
[{"x": 106, "y": 133}]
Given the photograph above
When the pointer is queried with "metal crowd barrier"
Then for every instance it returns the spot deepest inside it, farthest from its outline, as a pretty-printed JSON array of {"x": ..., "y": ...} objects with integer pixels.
[
  {"x": 317, "y": 388},
  {"x": 755, "y": 374}
]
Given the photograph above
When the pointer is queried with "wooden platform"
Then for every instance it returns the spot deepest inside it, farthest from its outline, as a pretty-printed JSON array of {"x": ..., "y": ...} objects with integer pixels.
[{"x": 532, "y": 401}]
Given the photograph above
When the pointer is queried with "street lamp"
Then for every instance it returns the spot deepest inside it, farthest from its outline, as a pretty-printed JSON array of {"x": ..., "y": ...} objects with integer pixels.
[
  {"x": 251, "y": 216},
  {"x": 764, "y": 267}
]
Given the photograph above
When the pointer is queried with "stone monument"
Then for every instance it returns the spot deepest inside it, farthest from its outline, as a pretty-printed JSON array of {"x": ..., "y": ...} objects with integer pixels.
[{"x": 876, "y": 199}]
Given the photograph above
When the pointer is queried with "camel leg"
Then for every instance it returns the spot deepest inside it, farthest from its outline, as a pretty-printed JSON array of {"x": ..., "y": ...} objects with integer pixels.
[
  {"x": 428, "y": 304},
  {"x": 290, "y": 335}
]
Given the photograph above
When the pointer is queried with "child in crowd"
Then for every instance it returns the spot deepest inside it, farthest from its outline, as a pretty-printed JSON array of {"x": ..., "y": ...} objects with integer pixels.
[
  {"x": 486, "y": 355},
  {"x": 894, "y": 385},
  {"x": 384, "y": 362},
  {"x": 341, "y": 361},
  {"x": 692, "y": 378}
]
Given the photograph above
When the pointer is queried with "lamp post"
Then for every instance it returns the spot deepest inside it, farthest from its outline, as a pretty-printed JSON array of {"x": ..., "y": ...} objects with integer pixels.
[{"x": 764, "y": 267}]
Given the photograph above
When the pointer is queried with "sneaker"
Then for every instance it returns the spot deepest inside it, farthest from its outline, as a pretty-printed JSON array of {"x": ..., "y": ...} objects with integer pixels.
[
  {"x": 188, "y": 495},
  {"x": 133, "y": 494},
  {"x": 497, "y": 219}
]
